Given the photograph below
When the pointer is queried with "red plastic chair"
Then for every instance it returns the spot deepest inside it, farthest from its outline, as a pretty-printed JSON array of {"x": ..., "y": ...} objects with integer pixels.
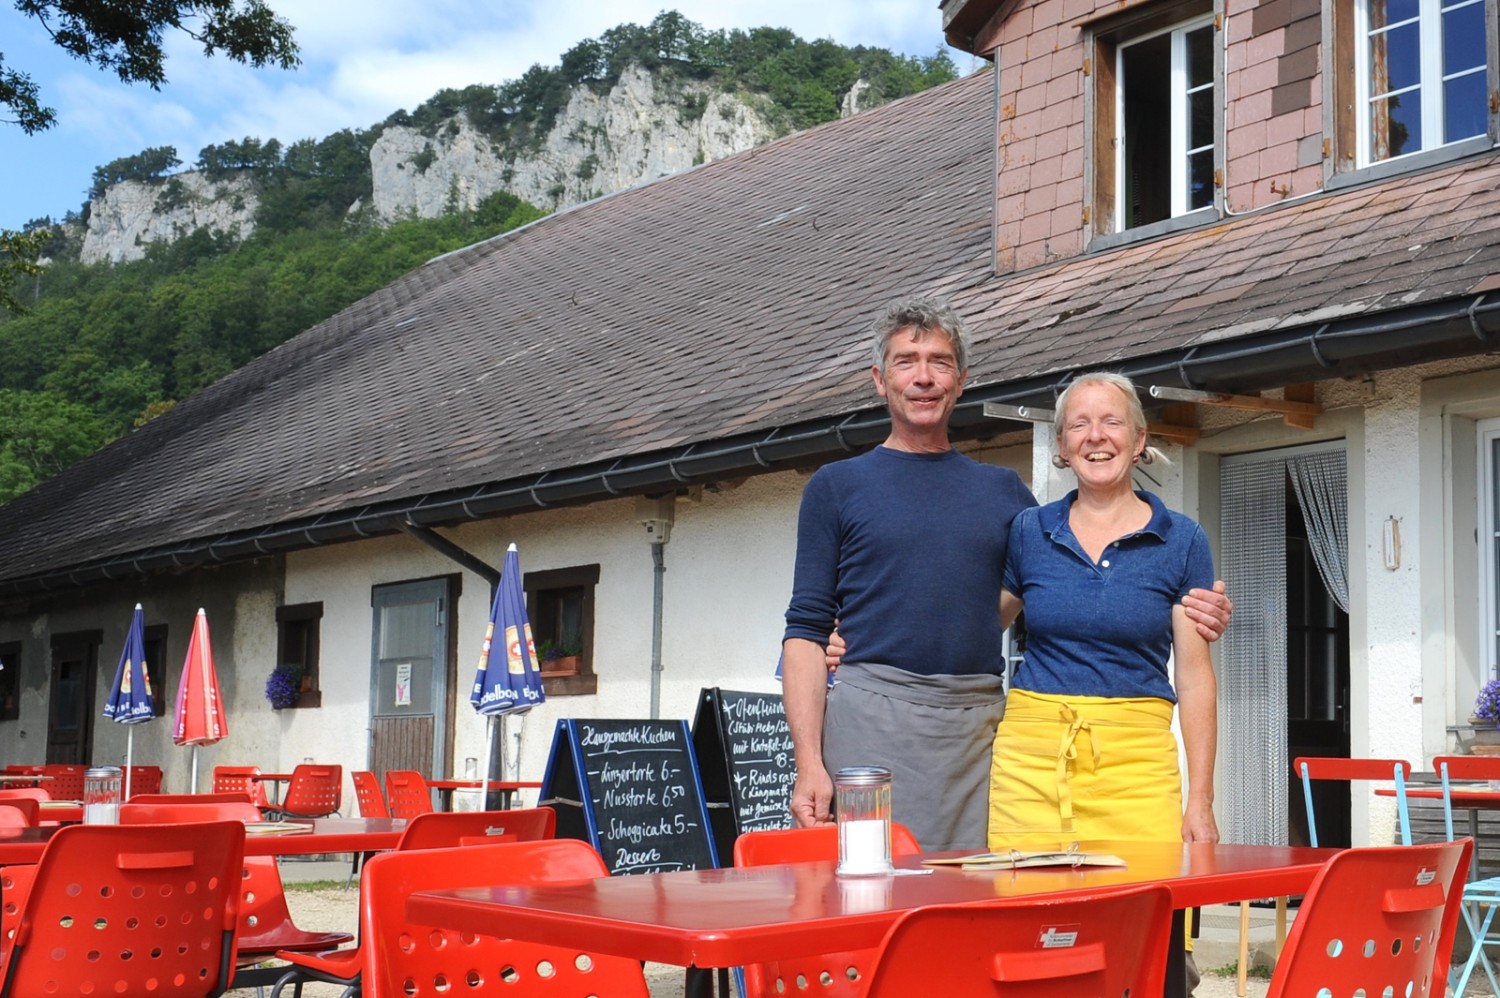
[
  {"x": 435, "y": 830},
  {"x": 20, "y": 770},
  {"x": 795, "y": 845},
  {"x": 237, "y": 779},
  {"x": 1376, "y": 921},
  {"x": 403, "y": 958},
  {"x": 64, "y": 782},
  {"x": 446, "y": 829},
  {"x": 368, "y": 795},
  {"x": 407, "y": 793},
  {"x": 19, "y": 812},
  {"x": 224, "y": 798},
  {"x": 143, "y": 780},
  {"x": 32, "y": 798},
  {"x": 117, "y": 909},
  {"x": 1107, "y": 942},
  {"x": 314, "y": 792},
  {"x": 266, "y": 924}
]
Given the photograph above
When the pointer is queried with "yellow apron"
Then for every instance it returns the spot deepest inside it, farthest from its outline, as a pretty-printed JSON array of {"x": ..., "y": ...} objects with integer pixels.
[{"x": 1069, "y": 769}]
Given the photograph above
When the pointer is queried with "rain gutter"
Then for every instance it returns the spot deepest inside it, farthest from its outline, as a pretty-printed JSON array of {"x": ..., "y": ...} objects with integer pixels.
[{"x": 1341, "y": 348}]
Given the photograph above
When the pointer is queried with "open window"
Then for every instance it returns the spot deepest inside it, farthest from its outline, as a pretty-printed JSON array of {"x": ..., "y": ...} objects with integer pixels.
[
  {"x": 297, "y": 628},
  {"x": 1155, "y": 127},
  {"x": 560, "y": 606},
  {"x": 10, "y": 681},
  {"x": 155, "y": 640}
]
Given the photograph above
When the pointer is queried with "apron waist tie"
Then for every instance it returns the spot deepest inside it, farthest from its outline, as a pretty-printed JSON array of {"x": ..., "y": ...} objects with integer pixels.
[{"x": 1067, "y": 757}]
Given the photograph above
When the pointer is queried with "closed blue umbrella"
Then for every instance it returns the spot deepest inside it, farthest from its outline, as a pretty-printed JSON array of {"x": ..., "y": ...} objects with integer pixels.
[
  {"x": 510, "y": 684},
  {"x": 130, "y": 700}
]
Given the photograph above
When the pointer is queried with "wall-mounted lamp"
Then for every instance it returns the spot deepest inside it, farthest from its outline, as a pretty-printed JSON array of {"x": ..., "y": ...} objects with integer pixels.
[{"x": 1390, "y": 543}]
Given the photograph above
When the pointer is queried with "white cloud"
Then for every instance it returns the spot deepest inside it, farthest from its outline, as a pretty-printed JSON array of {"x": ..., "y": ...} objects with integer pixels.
[{"x": 362, "y": 61}]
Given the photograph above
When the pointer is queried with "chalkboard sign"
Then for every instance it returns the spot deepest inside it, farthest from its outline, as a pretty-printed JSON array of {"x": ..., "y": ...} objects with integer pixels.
[
  {"x": 630, "y": 788},
  {"x": 744, "y": 750}
]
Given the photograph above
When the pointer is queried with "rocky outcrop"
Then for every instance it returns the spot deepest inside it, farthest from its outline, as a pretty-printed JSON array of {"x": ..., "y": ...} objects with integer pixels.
[
  {"x": 639, "y": 131},
  {"x": 133, "y": 214}
]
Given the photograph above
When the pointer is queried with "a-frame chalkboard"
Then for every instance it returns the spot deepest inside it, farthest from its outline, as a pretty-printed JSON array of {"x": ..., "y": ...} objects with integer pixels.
[
  {"x": 631, "y": 789},
  {"x": 744, "y": 751}
]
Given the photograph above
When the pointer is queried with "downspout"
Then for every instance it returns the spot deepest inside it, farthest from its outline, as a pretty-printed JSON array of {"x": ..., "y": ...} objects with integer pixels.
[
  {"x": 656, "y": 515},
  {"x": 659, "y": 574}
]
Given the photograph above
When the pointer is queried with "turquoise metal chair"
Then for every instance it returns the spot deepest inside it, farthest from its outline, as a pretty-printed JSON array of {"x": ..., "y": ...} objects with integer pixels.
[
  {"x": 1481, "y": 898},
  {"x": 1311, "y": 768}
]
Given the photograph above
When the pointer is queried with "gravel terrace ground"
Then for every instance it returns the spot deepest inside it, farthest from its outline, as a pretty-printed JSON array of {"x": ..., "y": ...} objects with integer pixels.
[{"x": 334, "y": 908}]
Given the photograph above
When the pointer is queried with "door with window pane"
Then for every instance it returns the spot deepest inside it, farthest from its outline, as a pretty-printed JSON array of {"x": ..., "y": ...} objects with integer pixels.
[{"x": 410, "y": 670}]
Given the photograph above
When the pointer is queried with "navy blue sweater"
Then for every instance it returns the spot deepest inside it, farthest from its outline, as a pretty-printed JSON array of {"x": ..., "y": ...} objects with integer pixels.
[{"x": 906, "y": 551}]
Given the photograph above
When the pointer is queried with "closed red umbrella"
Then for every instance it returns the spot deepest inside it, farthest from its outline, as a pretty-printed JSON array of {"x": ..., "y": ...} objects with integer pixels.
[{"x": 199, "y": 716}]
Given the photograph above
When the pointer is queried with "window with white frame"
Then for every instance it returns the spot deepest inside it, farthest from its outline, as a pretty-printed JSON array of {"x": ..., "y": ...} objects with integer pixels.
[
  {"x": 1422, "y": 75},
  {"x": 1489, "y": 547},
  {"x": 1155, "y": 101}
]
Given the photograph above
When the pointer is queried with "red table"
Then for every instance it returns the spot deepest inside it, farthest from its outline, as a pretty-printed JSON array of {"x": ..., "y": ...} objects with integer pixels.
[
  {"x": 730, "y": 917},
  {"x": 24, "y": 845},
  {"x": 275, "y": 780},
  {"x": 506, "y": 788}
]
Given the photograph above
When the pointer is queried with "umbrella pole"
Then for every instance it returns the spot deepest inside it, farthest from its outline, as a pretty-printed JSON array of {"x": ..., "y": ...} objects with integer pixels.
[
  {"x": 129, "y": 751},
  {"x": 489, "y": 745},
  {"x": 194, "y": 781}
]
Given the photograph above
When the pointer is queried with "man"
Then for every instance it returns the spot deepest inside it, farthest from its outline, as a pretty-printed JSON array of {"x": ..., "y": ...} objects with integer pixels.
[{"x": 903, "y": 547}]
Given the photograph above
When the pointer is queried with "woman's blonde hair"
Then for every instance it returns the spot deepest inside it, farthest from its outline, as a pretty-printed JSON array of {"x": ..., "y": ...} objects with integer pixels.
[{"x": 1133, "y": 411}]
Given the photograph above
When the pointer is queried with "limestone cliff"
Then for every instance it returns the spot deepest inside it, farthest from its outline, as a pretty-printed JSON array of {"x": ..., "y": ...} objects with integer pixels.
[
  {"x": 638, "y": 131},
  {"x": 133, "y": 214}
]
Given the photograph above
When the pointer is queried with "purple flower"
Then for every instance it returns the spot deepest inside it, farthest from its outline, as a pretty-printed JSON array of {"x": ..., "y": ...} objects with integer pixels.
[
  {"x": 1487, "y": 704},
  {"x": 284, "y": 686}
]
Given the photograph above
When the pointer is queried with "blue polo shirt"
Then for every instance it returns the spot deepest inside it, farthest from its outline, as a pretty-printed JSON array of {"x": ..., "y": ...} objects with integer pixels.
[{"x": 1102, "y": 629}]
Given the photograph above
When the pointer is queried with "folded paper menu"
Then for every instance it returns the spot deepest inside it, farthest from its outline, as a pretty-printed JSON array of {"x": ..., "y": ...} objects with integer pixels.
[
  {"x": 1015, "y": 860},
  {"x": 276, "y": 827}
]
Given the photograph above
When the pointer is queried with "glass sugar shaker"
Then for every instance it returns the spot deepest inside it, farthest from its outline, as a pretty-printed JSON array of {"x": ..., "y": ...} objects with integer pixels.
[{"x": 862, "y": 808}]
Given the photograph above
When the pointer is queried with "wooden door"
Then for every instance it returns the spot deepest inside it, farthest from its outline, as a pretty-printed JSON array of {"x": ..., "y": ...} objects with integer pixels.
[{"x": 70, "y": 697}]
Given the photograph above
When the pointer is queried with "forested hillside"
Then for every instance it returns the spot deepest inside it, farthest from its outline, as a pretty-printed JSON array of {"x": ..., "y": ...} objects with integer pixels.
[{"x": 101, "y": 348}]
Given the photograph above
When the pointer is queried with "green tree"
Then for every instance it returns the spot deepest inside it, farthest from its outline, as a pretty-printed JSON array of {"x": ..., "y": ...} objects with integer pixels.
[
  {"x": 219, "y": 161},
  {"x": 40, "y": 435},
  {"x": 128, "y": 38},
  {"x": 18, "y": 258}
]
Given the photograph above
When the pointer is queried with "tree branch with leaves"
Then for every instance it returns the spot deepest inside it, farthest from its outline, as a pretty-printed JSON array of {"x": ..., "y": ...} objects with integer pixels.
[{"x": 127, "y": 38}]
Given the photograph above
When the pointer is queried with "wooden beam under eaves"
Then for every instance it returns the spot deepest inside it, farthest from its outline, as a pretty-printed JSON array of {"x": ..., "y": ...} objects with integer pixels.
[
  {"x": 1176, "y": 433},
  {"x": 1297, "y": 409}
]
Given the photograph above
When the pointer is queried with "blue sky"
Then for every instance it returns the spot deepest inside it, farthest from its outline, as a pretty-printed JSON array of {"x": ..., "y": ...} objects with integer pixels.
[{"x": 361, "y": 61}]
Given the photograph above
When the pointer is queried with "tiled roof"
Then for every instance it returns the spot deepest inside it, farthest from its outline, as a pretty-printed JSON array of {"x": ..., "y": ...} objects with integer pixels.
[{"x": 728, "y": 304}]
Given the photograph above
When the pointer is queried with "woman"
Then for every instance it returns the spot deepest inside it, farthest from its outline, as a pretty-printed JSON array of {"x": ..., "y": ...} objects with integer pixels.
[{"x": 1085, "y": 749}]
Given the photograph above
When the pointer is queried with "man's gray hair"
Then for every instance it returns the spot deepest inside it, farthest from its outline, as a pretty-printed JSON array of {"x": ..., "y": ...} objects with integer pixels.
[{"x": 924, "y": 315}]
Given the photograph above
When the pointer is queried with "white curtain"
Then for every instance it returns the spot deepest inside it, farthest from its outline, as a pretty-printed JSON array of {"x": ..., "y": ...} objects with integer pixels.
[{"x": 1321, "y": 483}]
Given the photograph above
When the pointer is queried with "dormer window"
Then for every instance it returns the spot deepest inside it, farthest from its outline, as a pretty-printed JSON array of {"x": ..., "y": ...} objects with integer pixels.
[
  {"x": 1422, "y": 73},
  {"x": 1156, "y": 98},
  {"x": 1164, "y": 154}
]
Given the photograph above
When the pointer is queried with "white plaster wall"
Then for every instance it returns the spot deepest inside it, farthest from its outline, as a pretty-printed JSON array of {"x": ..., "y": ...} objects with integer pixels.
[
  {"x": 240, "y": 603},
  {"x": 728, "y": 575}
]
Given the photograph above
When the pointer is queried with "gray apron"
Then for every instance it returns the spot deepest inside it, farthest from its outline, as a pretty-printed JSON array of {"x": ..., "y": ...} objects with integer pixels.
[{"x": 935, "y": 735}]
